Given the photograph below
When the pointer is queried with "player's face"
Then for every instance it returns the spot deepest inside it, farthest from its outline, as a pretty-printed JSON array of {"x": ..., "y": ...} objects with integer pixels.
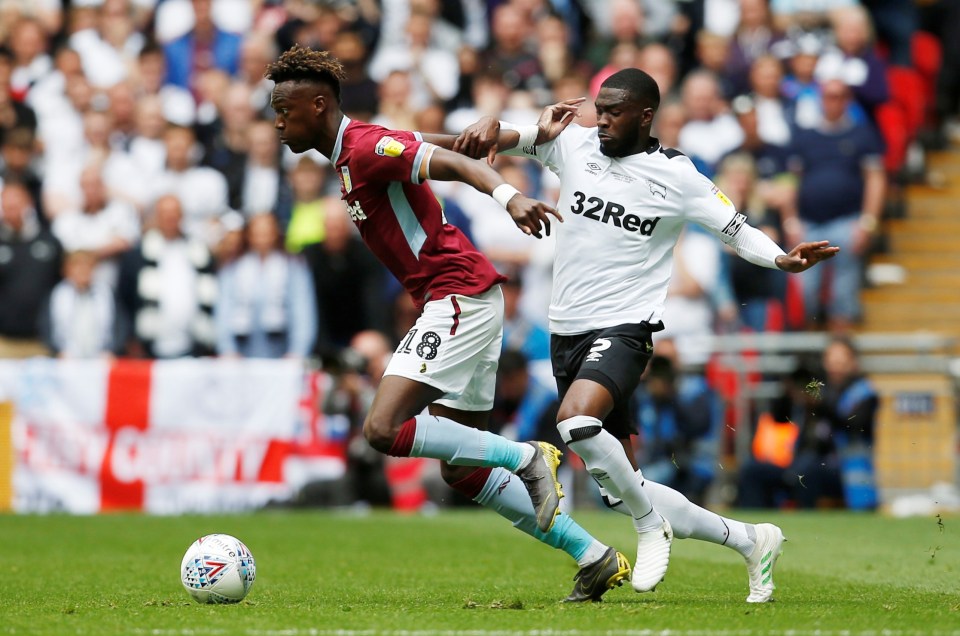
[
  {"x": 622, "y": 123},
  {"x": 294, "y": 116}
]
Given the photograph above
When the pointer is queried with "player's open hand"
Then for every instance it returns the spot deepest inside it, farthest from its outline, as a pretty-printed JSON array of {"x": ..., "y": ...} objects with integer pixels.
[
  {"x": 531, "y": 216},
  {"x": 556, "y": 117},
  {"x": 480, "y": 139},
  {"x": 806, "y": 255}
]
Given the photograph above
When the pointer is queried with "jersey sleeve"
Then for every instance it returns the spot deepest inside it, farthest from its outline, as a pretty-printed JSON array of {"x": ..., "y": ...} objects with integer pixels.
[
  {"x": 550, "y": 153},
  {"x": 391, "y": 155},
  {"x": 707, "y": 206}
]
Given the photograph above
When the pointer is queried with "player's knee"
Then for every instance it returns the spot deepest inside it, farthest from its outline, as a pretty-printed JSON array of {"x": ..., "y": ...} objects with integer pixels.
[
  {"x": 453, "y": 474},
  {"x": 379, "y": 432},
  {"x": 578, "y": 427}
]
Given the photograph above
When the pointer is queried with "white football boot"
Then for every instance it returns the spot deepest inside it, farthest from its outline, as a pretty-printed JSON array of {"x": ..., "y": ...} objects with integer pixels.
[
  {"x": 653, "y": 557},
  {"x": 762, "y": 561}
]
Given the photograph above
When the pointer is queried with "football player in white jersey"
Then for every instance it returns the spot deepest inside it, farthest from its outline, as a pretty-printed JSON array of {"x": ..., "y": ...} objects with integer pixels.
[{"x": 625, "y": 200}]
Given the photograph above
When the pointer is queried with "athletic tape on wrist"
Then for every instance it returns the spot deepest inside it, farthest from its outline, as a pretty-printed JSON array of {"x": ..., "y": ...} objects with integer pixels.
[
  {"x": 503, "y": 193},
  {"x": 528, "y": 133}
]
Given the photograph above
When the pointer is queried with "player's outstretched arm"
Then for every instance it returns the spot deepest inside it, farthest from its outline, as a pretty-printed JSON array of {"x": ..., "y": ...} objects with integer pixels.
[
  {"x": 806, "y": 255},
  {"x": 487, "y": 137},
  {"x": 530, "y": 215}
]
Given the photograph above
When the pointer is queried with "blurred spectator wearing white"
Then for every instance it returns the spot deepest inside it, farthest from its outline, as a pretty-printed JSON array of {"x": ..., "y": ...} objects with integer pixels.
[
  {"x": 839, "y": 199},
  {"x": 28, "y": 43},
  {"x": 202, "y": 190},
  {"x": 711, "y": 131},
  {"x": 434, "y": 72},
  {"x": 179, "y": 106},
  {"x": 266, "y": 306},
  {"x": 30, "y": 260},
  {"x": 256, "y": 52},
  {"x": 147, "y": 150},
  {"x": 688, "y": 310},
  {"x": 109, "y": 46},
  {"x": 168, "y": 289},
  {"x": 774, "y": 113},
  {"x": 261, "y": 186},
  {"x": 713, "y": 55},
  {"x": 396, "y": 104},
  {"x": 80, "y": 320},
  {"x": 105, "y": 226}
]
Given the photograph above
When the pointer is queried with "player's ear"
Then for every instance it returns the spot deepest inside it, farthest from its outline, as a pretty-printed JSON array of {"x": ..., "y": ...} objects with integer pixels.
[
  {"x": 319, "y": 104},
  {"x": 646, "y": 117}
]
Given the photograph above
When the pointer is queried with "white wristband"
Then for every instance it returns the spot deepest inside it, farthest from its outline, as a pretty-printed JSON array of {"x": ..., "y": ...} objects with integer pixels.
[
  {"x": 528, "y": 134},
  {"x": 503, "y": 193}
]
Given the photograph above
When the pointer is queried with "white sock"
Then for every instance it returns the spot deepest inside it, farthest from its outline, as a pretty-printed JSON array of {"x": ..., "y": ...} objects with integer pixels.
[
  {"x": 605, "y": 459},
  {"x": 442, "y": 438},
  {"x": 690, "y": 521}
]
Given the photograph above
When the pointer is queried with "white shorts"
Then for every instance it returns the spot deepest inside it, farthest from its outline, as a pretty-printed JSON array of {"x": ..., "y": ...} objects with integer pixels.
[{"x": 455, "y": 347}]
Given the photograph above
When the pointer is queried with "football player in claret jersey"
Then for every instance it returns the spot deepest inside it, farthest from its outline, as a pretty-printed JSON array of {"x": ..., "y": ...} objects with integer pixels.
[
  {"x": 625, "y": 199},
  {"x": 448, "y": 360}
]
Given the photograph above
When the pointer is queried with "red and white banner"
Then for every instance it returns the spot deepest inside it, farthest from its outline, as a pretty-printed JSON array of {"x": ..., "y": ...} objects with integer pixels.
[{"x": 194, "y": 435}]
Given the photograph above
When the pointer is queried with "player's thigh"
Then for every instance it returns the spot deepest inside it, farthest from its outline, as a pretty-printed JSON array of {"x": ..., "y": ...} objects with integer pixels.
[
  {"x": 473, "y": 375},
  {"x": 397, "y": 400},
  {"x": 608, "y": 374}
]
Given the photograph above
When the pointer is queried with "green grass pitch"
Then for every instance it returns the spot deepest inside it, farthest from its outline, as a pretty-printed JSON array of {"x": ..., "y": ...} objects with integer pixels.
[{"x": 467, "y": 573}]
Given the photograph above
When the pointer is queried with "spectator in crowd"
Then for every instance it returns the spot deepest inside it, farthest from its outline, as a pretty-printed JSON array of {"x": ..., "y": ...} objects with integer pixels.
[
  {"x": 256, "y": 52},
  {"x": 147, "y": 150},
  {"x": 81, "y": 317},
  {"x": 713, "y": 55},
  {"x": 679, "y": 420},
  {"x": 800, "y": 15},
  {"x": 396, "y": 110},
  {"x": 627, "y": 26},
  {"x": 104, "y": 226},
  {"x": 711, "y": 131},
  {"x": 691, "y": 310},
  {"x": 225, "y": 138},
  {"x": 309, "y": 209},
  {"x": 509, "y": 53},
  {"x": 659, "y": 62},
  {"x": 818, "y": 446},
  {"x": 168, "y": 288},
  {"x": 346, "y": 276},
  {"x": 519, "y": 332},
  {"x": 754, "y": 37},
  {"x": 433, "y": 71},
  {"x": 30, "y": 262},
  {"x": 28, "y": 44},
  {"x": 671, "y": 118},
  {"x": 17, "y": 154},
  {"x": 206, "y": 46},
  {"x": 179, "y": 106},
  {"x": 360, "y": 94},
  {"x": 800, "y": 87},
  {"x": 840, "y": 197},
  {"x": 759, "y": 295},
  {"x": 13, "y": 113},
  {"x": 771, "y": 110},
  {"x": 109, "y": 44},
  {"x": 623, "y": 55},
  {"x": 202, "y": 190},
  {"x": 854, "y": 60},
  {"x": 265, "y": 307},
  {"x": 522, "y": 400},
  {"x": 258, "y": 184}
]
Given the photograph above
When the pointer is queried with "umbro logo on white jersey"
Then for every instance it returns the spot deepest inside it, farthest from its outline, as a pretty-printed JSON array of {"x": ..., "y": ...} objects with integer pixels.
[{"x": 593, "y": 168}]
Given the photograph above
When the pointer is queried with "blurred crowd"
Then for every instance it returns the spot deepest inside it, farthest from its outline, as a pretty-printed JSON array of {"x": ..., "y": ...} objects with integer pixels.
[{"x": 148, "y": 209}]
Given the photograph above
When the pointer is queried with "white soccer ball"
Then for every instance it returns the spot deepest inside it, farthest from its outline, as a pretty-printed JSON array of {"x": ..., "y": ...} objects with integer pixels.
[{"x": 218, "y": 568}]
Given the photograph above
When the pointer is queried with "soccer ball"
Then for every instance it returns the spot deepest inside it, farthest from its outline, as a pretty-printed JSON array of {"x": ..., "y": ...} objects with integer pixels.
[{"x": 218, "y": 568}]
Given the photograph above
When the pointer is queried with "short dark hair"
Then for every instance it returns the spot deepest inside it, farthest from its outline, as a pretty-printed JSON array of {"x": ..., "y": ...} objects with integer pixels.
[
  {"x": 302, "y": 64},
  {"x": 636, "y": 82}
]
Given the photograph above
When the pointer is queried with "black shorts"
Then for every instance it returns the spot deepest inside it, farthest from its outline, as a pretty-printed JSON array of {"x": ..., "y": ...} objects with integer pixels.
[{"x": 614, "y": 357}]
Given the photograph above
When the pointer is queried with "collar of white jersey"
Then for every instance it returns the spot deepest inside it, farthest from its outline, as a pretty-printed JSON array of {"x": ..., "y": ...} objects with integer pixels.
[
  {"x": 338, "y": 145},
  {"x": 654, "y": 147}
]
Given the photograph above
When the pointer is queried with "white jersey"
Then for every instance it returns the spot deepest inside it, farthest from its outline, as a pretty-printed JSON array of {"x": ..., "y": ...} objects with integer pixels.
[{"x": 621, "y": 220}]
